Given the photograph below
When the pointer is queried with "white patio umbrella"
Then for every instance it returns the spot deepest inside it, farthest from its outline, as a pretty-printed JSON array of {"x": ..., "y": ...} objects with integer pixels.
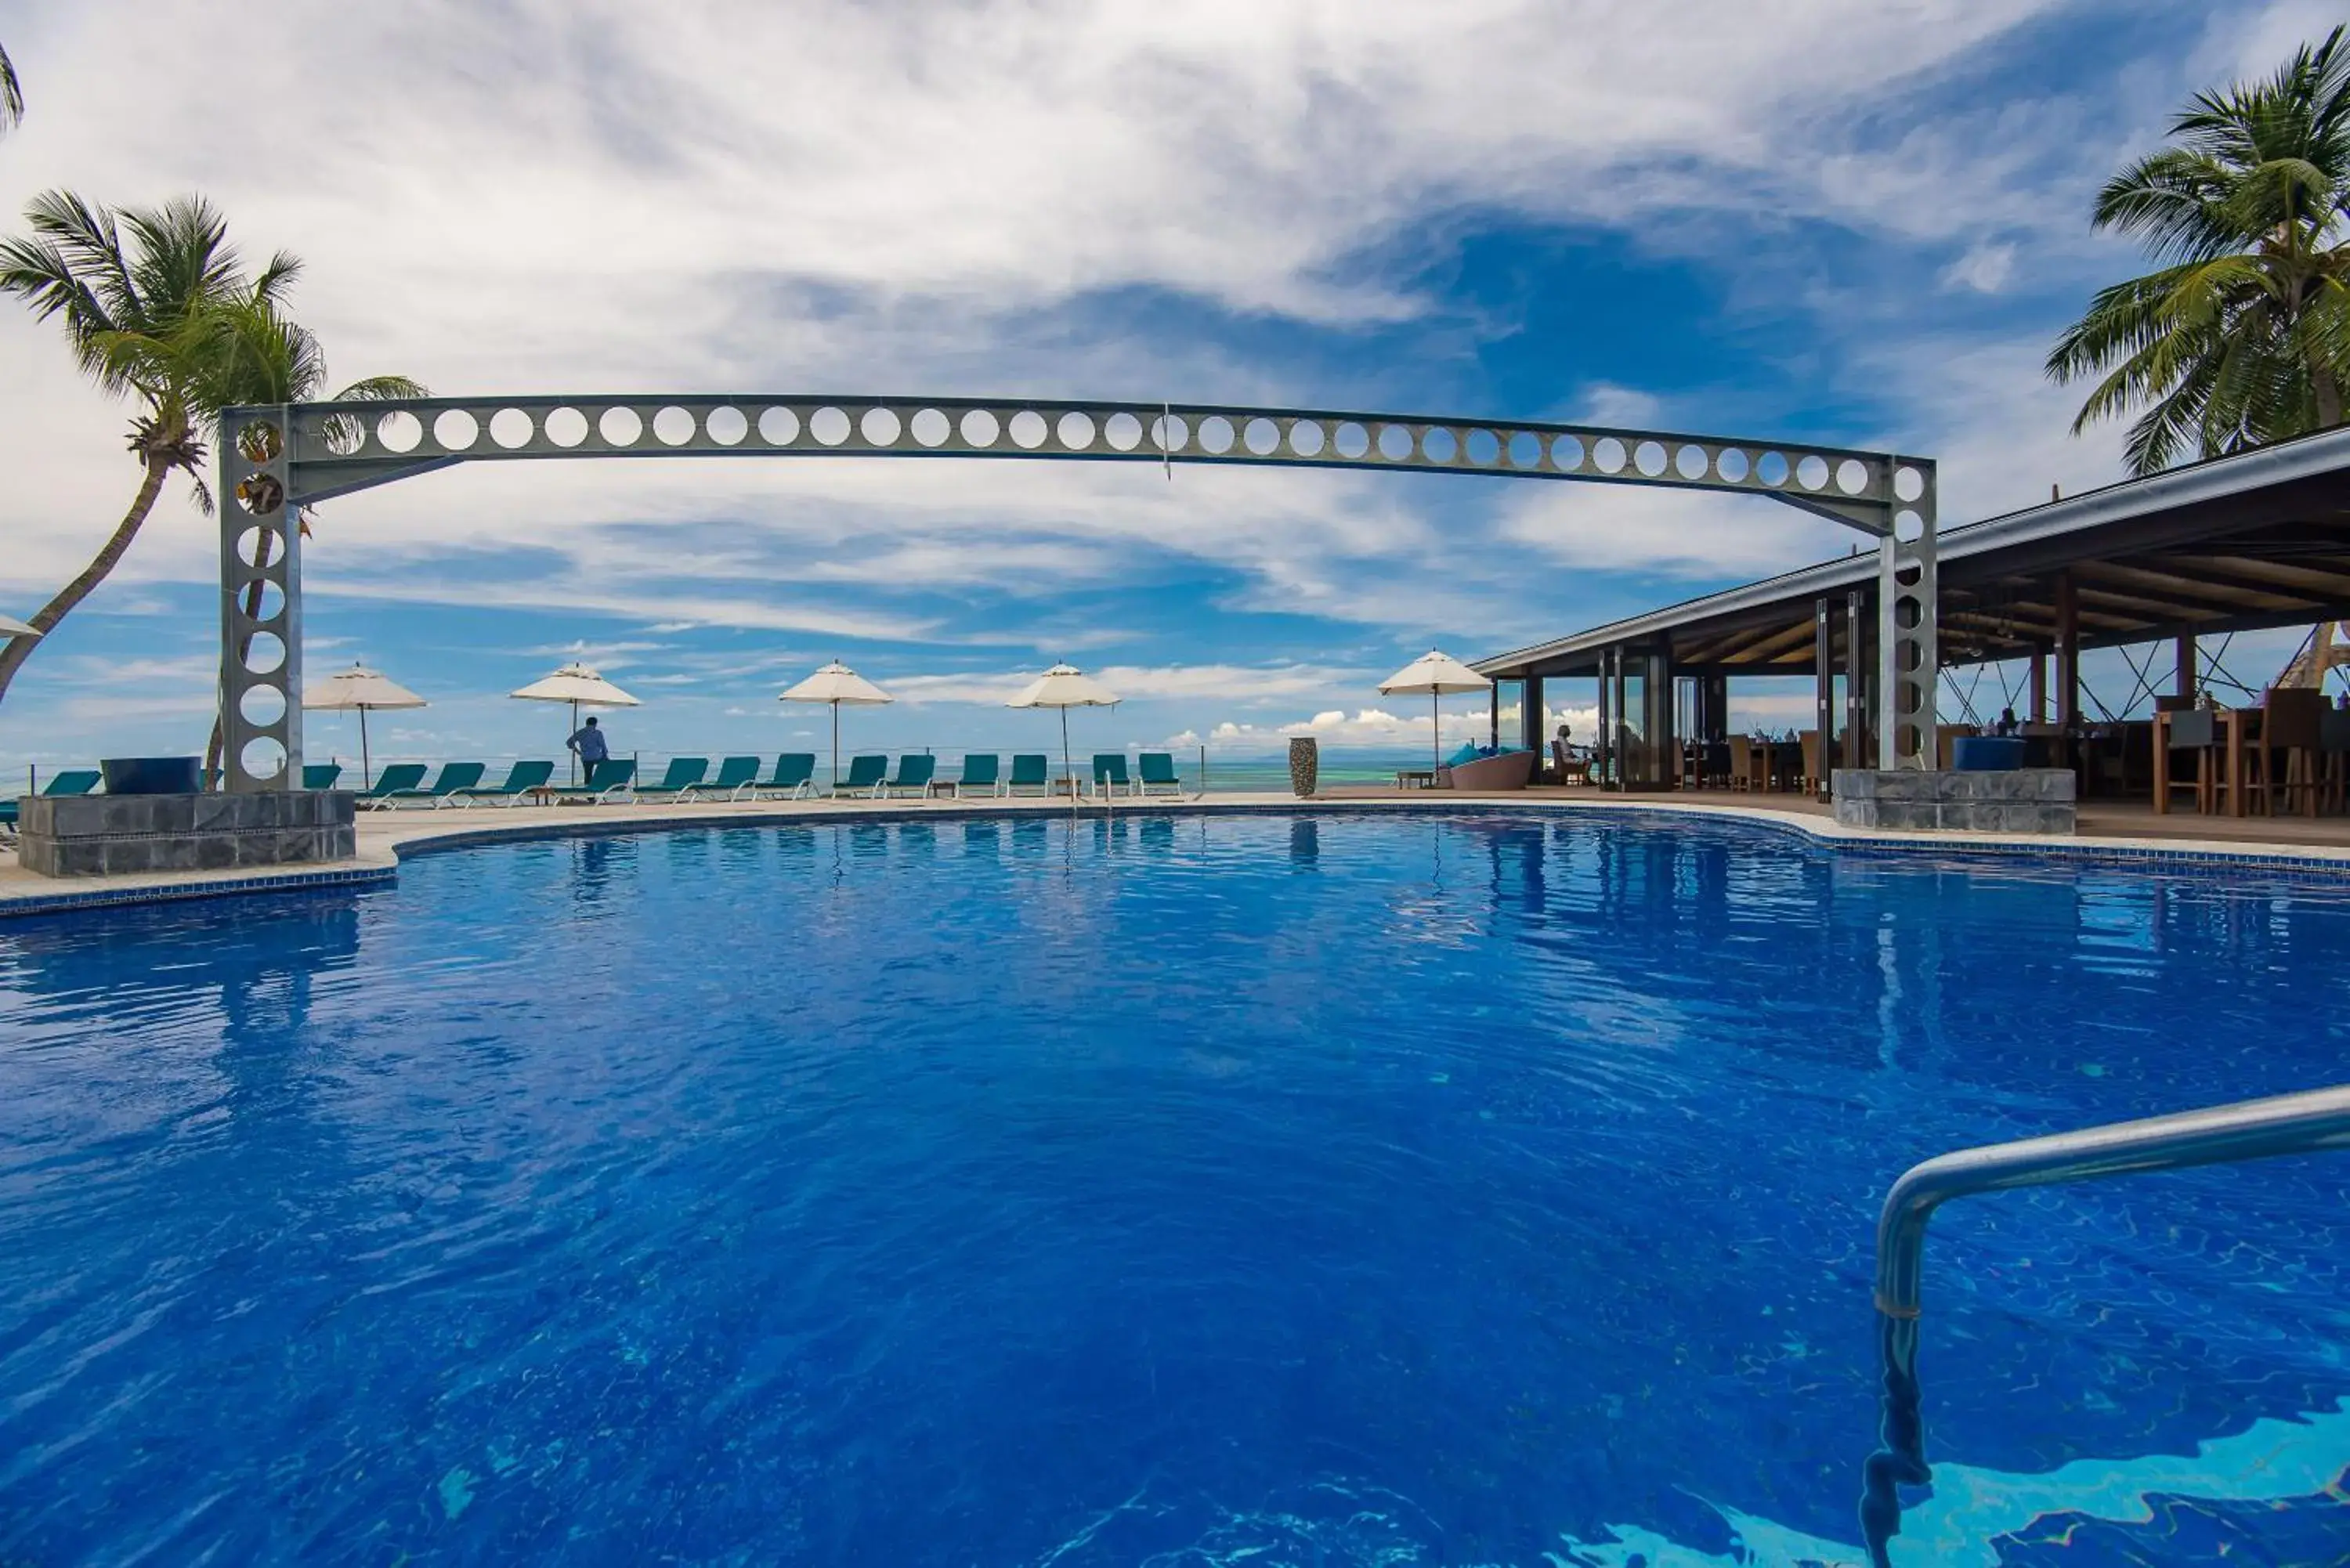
[
  {"x": 1440, "y": 675},
  {"x": 581, "y": 687},
  {"x": 367, "y": 690},
  {"x": 1065, "y": 686},
  {"x": 838, "y": 684},
  {"x": 11, "y": 627}
]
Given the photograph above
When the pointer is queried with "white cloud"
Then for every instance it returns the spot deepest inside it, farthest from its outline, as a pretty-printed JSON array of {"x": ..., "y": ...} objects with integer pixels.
[{"x": 1985, "y": 269}]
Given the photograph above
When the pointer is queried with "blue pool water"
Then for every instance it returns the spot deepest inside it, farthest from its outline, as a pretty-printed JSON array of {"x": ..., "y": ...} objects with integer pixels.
[{"x": 1343, "y": 1191}]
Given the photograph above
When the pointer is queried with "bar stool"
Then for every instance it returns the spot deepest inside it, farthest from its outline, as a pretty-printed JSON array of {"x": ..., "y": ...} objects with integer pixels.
[
  {"x": 2334, "y": 744},
  {"x": 2196, "y": 732},
  {"x": 2292, "y": 747}
]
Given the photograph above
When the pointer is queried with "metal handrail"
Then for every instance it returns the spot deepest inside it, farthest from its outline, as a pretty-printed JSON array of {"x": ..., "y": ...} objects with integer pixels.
[{"x": 2252, "y": 1129}]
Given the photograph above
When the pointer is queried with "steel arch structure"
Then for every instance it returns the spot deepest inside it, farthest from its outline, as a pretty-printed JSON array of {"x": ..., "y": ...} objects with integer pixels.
[{"x": 276, "y": 461}]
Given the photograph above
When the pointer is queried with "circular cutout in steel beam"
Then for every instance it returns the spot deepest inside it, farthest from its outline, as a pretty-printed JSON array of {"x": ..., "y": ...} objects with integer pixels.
[
  {"x": 1028, "y": 429},
  {"x": 262, "y": 759},
  {"x": 1075, "y": 431},
  {"x": 620, "y": 427},
  {"x": 1690, "y": 463},
  {"x": 1813, "y": 472},
  {"x": 828, "y": 425},
  {"x": 674, "y": 426},
  {"x": 1123, "y": 431},
  {"x": 778, "y": 426},
  {"x": 1731, "y": 463},
  {"x": 1216, "y": 434},
  {"x": 726, "y": 425},
  {"x": 1305, "y": 438},
  {"x": 511, "y": 429},
  {"x": 1525, "y": 450},
  {"x": 931, "y": 427},
  {"x": 980, "y": 429},
  {"x": 1263, "y": 436},
  {"x": 399, "y": 432},
  {"x": 1567, "y": 454},
  {"x": 1350, "y": 441},
  {"x": 1483, "y": 448},
  {"x": 261, "y": 493},
  {"x": 264, "y": 653},
  {"x": 1608, "y": 456},
  {"x": 879, "y": 427},
  {"x": 261, "y": 601},
  {"x": 262, "y": 705},
  {"x": 1169, "y": 433},
  {"x": 1395, "y": 442},
  {"x": 1649, "y": 458},
  {"x": 1908, "y": 483},
  {"x": 259, "y": 442},
  {"x": 1852, "y": 476},
  {"x": 1440, "y": 445},
  {"x": 1772, "y": 469},
  {"x": 259, "y": 547},
  {"x": 455, "y": 430},
  {"x": 566, "y": 427}
]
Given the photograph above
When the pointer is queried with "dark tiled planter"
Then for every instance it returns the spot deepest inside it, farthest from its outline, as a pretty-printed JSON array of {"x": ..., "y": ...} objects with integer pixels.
[
  {"x": 114, "y": 835},
  {"x": 2022, "y": 800}
]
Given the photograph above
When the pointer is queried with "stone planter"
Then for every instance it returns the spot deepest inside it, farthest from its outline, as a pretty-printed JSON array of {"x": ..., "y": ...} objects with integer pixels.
[
  {"x": 2022, "y": 800},
  {"x": 1304, "y": 766},
  {"x": 103, "y": 836}
]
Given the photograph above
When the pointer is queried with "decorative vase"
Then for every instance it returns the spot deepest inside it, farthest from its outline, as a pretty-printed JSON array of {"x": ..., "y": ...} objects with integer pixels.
[{"x": 1304, "y": 766}]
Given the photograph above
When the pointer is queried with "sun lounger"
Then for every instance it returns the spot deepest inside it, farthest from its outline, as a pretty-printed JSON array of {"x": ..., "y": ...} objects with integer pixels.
[
  {"x": 1159, "y": 774},
  {"x": 913, "y": 777},
  {"x": 865, "y": 775},
  {"x": 737, "y": 776},
  {"x": 794, "y": 778},
  {"x": 399, "y": 778},
  {"x": 613, "y": 777},
  {"x": 979, "y": 772},
  {"x": 70, "y": 781},
  {"x": 683, "y": 774},
  {"x": 1109, "y": 774},
  {"x": 521, "y": 779},
  {"x": 1030, "y": 770},
  {"x": 453, "y": 777},
  {"x": 320, "y": 775}
]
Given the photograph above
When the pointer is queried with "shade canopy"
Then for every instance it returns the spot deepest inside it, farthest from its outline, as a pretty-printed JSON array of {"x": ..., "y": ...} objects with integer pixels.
[
  {"x": 1065, "y": 686},
  {"x": 577, "y": 683},
  {"x": 361, "y": 688},
  {"x": 1433, "y": 674},
  {"x": 11, "y": 627},
  {"x": 836, "y": 683}
]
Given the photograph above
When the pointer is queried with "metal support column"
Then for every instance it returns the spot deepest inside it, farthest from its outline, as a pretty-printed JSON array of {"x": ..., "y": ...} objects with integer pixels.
[
  {"x": 1856, "y": 680},
  {"x": 2039, "y": 713},
  {"x": 1534, "y": 723},
  {"x": 1600, "y": 754},
  {"x": 2184, "y": 678},
  {"x": 261, "y": 604},
  {"x": 1908, "y": 655}
]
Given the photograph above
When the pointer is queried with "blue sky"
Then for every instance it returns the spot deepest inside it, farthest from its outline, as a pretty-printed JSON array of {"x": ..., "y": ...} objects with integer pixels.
[{"x": 1859, "y": 223}]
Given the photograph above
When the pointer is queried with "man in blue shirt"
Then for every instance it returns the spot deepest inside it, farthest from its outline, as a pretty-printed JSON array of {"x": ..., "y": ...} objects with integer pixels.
[{"x": 589, "y": 742}]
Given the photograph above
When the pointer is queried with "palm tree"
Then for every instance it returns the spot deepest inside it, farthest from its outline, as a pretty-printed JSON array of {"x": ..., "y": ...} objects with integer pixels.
[
  {"x": 12, "y": 97},
  {"x": 158, "y": 307},
  {"x": 2242, "y": 336}
]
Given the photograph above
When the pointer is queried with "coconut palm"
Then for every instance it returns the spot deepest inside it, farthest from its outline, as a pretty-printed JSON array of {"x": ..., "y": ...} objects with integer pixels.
[
  {"x": 2242, "y": 336},
  {"x": 12, "y": 97},
  {"x": 159, "y": 309}
]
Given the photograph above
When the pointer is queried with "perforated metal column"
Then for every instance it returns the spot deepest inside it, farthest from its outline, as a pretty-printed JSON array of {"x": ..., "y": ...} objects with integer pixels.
[
  {"x": 261, "y": 606},
  {"x": 1907, "y": 643}
]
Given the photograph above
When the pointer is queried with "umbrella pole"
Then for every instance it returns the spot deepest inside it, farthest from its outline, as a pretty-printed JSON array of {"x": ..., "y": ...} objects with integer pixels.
[
  {"x": 567, "y": 746},
  {"x": 1435, "y": 730},
  {"x": 364, "y": 780},
  {"x": 836, "y": 745},
  {"x": 1068, "y": 771}
]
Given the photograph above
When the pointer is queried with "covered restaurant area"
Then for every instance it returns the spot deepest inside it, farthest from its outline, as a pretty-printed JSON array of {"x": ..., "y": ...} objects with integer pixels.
[{"x": 2168, "y": 572}]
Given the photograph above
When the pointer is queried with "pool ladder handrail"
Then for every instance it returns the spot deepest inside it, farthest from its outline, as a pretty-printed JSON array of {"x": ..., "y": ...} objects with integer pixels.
[{"x": 2251, "y": 1129}]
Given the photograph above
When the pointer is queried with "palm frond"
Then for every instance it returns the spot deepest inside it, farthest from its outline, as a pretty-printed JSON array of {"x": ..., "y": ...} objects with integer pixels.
[{"x": 12, "y": 95}]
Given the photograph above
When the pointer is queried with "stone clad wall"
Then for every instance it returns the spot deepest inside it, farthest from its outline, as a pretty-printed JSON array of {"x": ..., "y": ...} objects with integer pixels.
[
  {"x": 2024, "y": 800},
  {"x": 98, "y": 835}
]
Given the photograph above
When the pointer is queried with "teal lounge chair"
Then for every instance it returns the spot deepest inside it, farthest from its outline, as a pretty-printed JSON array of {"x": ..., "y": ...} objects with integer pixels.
[
  {"x": 736, "y": 776},
  {"x": 865, "y": 775},
  {"x": 614, "y": 776},
  {"x": 72, "y": 781},
  {"x": 521, "y": 779},
  {"x": 979, "y": 772},
  {"x": 320, "y": 775},
  {"x": 684, "y": 773},
  {"x": 400, "y": 778},
  {"x": 1109, "y": 774},
  {"x": 453, "y": 777},
  {"x": 914, "y": 774},
  {"x": 1030, "y": 770},
  {"x": 794, "y": 777},
  {"x": 1159, "y": 774}
]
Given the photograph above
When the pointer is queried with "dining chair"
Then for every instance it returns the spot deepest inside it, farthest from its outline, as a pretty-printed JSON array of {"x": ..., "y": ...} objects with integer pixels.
[
  {"x": 1741, "y": 762},
  {"x": 2291, "y": 748},
  {"x": 2333, "y": 745}
]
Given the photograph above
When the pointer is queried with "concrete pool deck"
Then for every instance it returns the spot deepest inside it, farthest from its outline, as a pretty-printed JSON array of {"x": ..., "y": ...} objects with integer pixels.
[{"x": 2109, "y": 833}]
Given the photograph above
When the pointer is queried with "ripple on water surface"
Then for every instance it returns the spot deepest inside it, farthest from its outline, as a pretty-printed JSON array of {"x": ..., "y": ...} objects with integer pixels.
[{"x": 1330, "y": 1190}]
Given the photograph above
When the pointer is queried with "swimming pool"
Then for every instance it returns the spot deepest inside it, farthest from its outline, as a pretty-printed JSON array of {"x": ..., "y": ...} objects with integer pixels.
[{"x": 1340, "y": 1189}]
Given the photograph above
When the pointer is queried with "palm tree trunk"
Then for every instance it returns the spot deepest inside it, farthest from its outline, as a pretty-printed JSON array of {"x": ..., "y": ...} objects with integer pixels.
[
  {"x": 19, "y": 649},
  {"x": 2328, "y": 392}
]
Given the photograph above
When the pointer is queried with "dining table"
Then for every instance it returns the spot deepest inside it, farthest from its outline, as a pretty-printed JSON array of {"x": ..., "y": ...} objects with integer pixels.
[{"x": 2238, "y": 728}]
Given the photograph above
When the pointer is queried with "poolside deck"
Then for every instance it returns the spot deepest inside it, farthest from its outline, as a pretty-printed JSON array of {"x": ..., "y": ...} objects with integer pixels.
[{"x": 383, "y": 836}]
